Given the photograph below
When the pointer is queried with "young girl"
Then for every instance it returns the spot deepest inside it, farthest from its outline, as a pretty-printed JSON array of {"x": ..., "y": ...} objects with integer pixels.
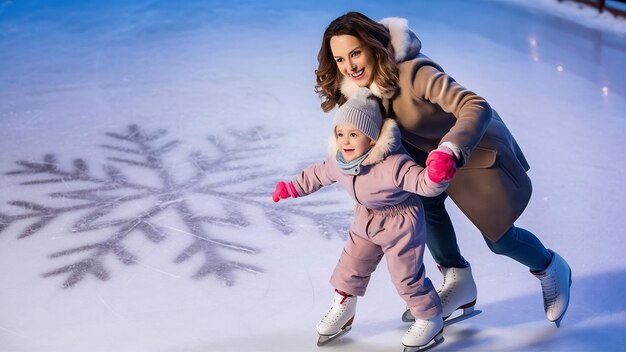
[{"x": 368, "y": 160}]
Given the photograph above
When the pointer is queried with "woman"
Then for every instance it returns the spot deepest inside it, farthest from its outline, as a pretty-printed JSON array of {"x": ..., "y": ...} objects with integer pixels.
[{"x": 434, "y": 112}]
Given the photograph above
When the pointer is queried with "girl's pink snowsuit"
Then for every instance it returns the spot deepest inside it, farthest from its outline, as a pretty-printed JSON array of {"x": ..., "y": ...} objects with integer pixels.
[{"x": 389, "y": 220}]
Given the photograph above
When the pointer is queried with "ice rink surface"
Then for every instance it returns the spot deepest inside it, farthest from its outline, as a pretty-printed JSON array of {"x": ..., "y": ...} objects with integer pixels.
[{"x": 140, "y": 142}]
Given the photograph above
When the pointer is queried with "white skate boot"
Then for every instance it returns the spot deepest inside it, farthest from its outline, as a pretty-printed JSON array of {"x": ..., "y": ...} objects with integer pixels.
[
  {"x": 555, "y": 285},
  {"x": 458, "y": 291},
  {"x": 339, "y": 318},
  {"x": 423, "y": 334}
]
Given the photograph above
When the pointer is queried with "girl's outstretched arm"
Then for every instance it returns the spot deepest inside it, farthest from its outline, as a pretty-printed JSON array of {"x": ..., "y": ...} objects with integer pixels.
[
  {"x": 413, "y": 178},
  {"x": 310, "y": 180}
]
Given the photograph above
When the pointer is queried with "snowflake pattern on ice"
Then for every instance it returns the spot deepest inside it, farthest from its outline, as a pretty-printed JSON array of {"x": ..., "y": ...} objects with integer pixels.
[{"x": 234, "y": 159}]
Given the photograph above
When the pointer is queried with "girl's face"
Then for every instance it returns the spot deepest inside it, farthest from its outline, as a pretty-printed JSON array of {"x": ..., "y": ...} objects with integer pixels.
[
  {"x": 351, "y": 142},
  {"x": 354, "y": 60}
]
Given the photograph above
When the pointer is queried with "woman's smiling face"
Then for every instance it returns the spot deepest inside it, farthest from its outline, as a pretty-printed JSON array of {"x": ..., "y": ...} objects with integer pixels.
[{"x": 353, "y": 59}]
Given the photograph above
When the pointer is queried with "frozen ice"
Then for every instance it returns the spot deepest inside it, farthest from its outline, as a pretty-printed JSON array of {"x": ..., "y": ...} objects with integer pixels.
[{"x": 141, "y": 141}]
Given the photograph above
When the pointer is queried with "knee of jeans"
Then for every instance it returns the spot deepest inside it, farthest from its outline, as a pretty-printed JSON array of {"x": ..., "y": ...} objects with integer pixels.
[
  {"x": 497, "y": 249},
  {"x": 503, "y": 245}
]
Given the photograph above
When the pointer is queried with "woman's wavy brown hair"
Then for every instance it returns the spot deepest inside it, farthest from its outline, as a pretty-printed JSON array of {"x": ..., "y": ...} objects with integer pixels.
[{"x": 372, "y": 35}]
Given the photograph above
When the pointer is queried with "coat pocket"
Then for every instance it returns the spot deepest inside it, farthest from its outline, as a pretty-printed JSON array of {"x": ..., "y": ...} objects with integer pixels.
[{"x": 481, "y": 158}]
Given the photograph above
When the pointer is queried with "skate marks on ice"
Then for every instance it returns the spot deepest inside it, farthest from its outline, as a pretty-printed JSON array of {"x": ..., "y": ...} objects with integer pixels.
[{"x": 233, "y": 163}]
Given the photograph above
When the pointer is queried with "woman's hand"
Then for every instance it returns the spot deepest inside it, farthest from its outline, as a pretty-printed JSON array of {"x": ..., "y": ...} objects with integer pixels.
[
  {"x": 284, "y": 190},
  {"x": 441, "y": 165}
]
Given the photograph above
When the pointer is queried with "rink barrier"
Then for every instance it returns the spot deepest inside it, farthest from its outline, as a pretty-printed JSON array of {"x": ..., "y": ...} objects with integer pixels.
[{"x": 602, "y": 5}]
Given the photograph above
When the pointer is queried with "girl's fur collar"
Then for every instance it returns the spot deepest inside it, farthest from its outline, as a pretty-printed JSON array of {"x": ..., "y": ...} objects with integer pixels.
[{"x": 387, "y": 143}]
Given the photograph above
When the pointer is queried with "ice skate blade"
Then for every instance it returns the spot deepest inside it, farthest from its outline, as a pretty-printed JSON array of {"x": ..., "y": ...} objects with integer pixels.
[
  {"x": 407, "y": 317},
  {"x": 558, "y": 322},
  {"x": 469, "y": 312},
  {"x": 461, "y": 317},
  {"x": 434, "y": 342},
  {"x": 324, "y": 339}
]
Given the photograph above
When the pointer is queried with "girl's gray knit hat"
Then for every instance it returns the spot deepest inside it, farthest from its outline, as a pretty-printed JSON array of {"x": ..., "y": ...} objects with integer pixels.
[{"x": 362, "y": 111}]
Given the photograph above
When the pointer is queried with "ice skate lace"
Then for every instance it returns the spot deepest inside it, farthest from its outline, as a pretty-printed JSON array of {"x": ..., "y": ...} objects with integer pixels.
[
  {"x": 447, "y": 289},
  {"x": 337, "y": 309},
  {"x": 418, "y": 328},
  {"x": 550, "y": 292}
]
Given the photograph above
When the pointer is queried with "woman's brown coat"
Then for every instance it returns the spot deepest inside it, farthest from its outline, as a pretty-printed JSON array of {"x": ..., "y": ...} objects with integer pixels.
[{"x": 491, "y": 187}]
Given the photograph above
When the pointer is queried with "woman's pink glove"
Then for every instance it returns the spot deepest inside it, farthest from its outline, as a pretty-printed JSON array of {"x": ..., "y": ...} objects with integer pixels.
[
  {"x": 441, "y": 165},
  {"x": 284, "y": 190}
]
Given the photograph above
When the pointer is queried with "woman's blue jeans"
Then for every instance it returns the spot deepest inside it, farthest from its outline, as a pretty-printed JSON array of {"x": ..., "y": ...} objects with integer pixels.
[{"x": 516, "y": 243}]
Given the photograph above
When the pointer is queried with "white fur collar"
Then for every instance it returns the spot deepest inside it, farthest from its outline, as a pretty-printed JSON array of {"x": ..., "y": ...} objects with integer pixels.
[
  {"x": 387, "y": 143},
  {"x": 404, "y": 41},
  {"x": 347, "y": 88}
]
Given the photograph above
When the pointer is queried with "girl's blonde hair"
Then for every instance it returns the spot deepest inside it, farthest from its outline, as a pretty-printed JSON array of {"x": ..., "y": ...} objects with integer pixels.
[{"x": 375, "y": 37}]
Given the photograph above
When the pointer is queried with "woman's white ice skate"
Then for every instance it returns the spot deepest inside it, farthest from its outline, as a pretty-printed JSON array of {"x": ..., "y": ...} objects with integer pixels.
[
  {"x": 457, "y": 292},
  {"x": 423, "y": 334},
  {"x": 339, "y": 318},
  {"x": 555, "y": 286}
]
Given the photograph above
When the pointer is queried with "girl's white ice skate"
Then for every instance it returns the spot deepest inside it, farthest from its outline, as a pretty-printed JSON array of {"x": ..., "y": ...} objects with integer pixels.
[
  {"x": 555, "y": 285},
  {"x": 339, "y": 318},
  {"x": 457, "y": 292},
  {"x": 423, "y": 334}
]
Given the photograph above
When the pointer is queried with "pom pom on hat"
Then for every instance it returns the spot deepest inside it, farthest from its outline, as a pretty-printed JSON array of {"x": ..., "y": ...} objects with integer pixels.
[{"x": 362, "y": 111}]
